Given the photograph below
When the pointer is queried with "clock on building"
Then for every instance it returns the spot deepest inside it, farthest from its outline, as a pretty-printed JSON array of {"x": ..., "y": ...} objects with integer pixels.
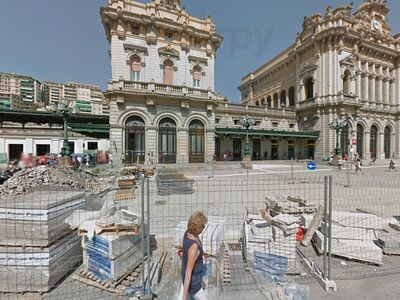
[{"x": 376, "y": 24}]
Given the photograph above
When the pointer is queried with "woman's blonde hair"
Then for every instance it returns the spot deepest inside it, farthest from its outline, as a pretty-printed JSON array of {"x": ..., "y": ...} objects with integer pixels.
[{"x": 196, "y": 223}]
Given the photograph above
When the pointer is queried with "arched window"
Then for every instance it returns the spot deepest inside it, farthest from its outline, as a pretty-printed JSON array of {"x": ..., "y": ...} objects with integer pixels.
[
  {"x": 373, "y": 145},
  {"x": 134, "y": 140},
  {"x": 276, "y": 101},
  {"x": 167, "y": 141},
  {"x": 360, "y": 140},
  {"x": 136, "y": 67},
  {"x": 387, "y": 142},
  {"x": 269, "y": 102},
  {"x": 168, "y": 72},
  {"x": 283, "y": 98},
  {"x": 346, "y": 82},
  {"x": 291, "y": 96},
  {"x": 197, "y": 76},
  {"x": 344, "y": 137},
  {"x": 196, "y": 141},
  {"x": 309, "y": 88}
]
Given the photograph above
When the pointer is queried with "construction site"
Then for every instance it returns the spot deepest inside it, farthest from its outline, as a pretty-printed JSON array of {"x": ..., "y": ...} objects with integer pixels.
[{"x": 273, "y": 232}]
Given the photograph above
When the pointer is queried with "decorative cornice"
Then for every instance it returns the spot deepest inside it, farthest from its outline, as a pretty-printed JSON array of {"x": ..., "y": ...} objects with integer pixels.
[{"x": 168, "y": 52}]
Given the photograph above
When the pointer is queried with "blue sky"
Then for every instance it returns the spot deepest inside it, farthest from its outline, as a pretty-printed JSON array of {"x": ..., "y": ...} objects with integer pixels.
[{"x": 64, "y": 41}]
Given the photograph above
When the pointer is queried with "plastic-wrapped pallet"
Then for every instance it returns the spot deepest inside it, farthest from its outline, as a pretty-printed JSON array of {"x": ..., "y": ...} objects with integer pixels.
[
  {"x": 24, "y": 269},
  {"x": 110, "y": 256},
  {"x": 37, "y": 219}
]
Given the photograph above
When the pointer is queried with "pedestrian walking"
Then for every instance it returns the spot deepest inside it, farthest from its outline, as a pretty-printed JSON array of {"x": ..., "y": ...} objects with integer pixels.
[
  {"x": 148, "y": 159},
  {"x": 359, "y": 166},
  {"x": 373, "y": 159},
  {"x": 110, "y": 159},
  {"x": 340, "y": 163},
  {"x": 193, "y": 267},
  {"x": 392, "y": 166}
]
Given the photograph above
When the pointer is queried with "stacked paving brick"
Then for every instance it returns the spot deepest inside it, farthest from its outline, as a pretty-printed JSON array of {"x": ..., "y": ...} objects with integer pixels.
[{"x": 37, "y": 247}]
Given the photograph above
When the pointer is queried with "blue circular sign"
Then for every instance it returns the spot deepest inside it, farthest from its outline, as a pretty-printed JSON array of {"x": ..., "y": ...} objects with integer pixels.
[{"x": 311, "y": 166}]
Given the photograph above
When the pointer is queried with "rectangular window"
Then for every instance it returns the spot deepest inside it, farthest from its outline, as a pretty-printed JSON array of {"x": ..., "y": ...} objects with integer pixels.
[
  {"x": 216, "y": 121},
  {"x": 92, "y": 145},
  {"x": 196, "y": 83},
  {"x": 291, "y": 125},
  {"x": 236, "y": 122},
  {"x": 275, "y": 124},
  {"x": 169, "y": 36},
  {"x": 257, "y": 123},
  {"x": 136, "y": 75},
  {"x": 136, "y": 29}
]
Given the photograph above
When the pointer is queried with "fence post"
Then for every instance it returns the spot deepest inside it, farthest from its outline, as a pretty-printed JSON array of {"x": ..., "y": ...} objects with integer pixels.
[
  {"x": 291, "y": 169},
  {"x": 142, "y": 238},
  {"x": 348, "y": 173},
  {"x": 330, "y": 228},
  {"x": 325, "y": 222},
  {"x": 148, "y": 234}
]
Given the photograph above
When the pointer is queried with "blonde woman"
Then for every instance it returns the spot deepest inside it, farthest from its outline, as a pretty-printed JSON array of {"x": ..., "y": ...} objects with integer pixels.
[{"x": 192, "y": 260}]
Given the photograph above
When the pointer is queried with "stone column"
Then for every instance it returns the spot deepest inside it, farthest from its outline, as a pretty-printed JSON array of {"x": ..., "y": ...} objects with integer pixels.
[
  {"x": 392, "y": 97},
  {"x": 151, "y": 142},
  {"x": 371, "y": 92},
  {"x": 380, "y": 146},
  {"x": 330, "y": 70},
  {"x": 397, "y": 84},
  {"x": 116, "y": 143},
  {"x": 359, "y": 83},
  {"x": 365, "y": 87},
  {"x": 379, "y": 91},
  {"x": 210, "y": 145},
  {"x": 386, "y": 91},
  {"x": 396, "y": 139},
  {"x": 367, "y": 154},
  {"x": 182, "y": 146}
]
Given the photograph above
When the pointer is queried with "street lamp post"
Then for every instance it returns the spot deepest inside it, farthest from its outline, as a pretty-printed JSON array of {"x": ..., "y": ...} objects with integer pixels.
[
  {"x": 338, "y": 125},
  {"x": 247, "y": 123},
  {"x": 65, "y": 110}
]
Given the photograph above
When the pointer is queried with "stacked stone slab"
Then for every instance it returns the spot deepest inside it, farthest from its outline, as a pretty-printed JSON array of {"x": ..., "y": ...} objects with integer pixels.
[
  {"x": 37, "y": 248},
  {"x": 171, "y": 182}
]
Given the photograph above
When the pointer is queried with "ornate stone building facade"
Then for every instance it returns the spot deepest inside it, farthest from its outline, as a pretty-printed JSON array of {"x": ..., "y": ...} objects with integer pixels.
[
  {"x": 162, "y": 97},
  {"x": 343, "y": 64}
]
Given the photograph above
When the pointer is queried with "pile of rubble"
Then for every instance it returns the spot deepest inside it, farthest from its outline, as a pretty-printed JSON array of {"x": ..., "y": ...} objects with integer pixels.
[{"x": 28, "y": 179}]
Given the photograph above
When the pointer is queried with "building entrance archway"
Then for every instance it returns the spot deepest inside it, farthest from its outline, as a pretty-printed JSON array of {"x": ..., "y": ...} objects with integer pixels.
[
  {"x": 134, "y": 140},
  {"x": 196, "y": 141},
  {"x": 167, "y": 141}
]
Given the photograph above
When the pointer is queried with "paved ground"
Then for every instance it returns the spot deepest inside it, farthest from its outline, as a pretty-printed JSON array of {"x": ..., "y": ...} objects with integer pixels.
[{"x": 226, "y": 190}]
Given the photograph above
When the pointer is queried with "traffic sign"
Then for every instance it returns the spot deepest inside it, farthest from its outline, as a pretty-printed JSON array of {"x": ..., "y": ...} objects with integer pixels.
[{"x": 311, "y": 166}]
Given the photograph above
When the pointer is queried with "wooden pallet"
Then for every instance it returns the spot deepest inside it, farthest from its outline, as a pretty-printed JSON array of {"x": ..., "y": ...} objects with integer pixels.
[
  {"x": 235, "y": 247},
  {"x": 124, "y": 194},
  {"x": 118, "y": 230},
  {"x": 226, "y": 267},
  {"x": 112, "y": 286}
]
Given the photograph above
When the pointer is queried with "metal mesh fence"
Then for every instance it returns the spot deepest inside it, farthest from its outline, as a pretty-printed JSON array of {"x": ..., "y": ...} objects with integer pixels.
[{"x": 110, "y": 233}]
